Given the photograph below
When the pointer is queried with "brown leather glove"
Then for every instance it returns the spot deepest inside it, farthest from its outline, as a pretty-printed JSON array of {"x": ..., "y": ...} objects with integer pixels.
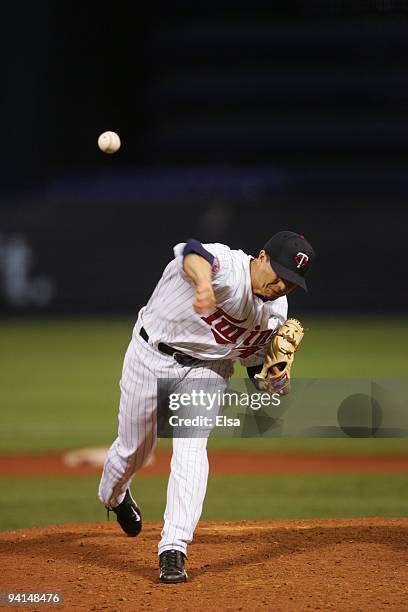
[{"x": 275, "y": 374}]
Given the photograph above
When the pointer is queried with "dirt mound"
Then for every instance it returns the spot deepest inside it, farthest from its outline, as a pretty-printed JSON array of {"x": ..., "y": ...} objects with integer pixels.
[{"x": 350, "y": 564}]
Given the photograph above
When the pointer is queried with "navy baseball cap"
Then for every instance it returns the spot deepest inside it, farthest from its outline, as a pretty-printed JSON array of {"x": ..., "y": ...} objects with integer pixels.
[{"x": 291, "y": 256}]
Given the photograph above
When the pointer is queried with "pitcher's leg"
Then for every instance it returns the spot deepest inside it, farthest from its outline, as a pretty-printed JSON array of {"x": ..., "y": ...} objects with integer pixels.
[
  {"x": 185, "y": 493},
  {"x": 189, "y": 465},
  {"x": 120, "y": 465},
  {"x": 137, "y": 433}
]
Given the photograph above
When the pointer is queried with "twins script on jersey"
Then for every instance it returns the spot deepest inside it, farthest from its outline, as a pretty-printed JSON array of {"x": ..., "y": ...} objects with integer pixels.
[{"x": 239, "y": 327}]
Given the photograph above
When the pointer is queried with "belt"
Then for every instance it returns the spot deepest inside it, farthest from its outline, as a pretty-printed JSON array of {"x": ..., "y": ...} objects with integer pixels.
[{"x": 181, "y": 358}]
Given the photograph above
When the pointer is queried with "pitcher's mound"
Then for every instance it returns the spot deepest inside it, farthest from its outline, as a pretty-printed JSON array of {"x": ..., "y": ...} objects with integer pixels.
[{"x": 348, "y": 564}]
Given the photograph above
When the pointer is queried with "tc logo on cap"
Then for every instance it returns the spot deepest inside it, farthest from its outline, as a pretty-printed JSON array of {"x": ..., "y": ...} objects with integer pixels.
[{"x": 301, "y": 259}]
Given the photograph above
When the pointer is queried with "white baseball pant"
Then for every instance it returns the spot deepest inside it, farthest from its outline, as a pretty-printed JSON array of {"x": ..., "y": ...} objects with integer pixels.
[{"x": 137, "y": 436}]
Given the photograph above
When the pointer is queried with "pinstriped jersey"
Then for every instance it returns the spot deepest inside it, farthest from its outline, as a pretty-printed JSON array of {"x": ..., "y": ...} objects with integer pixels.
[{"x": 239, "y": 327}]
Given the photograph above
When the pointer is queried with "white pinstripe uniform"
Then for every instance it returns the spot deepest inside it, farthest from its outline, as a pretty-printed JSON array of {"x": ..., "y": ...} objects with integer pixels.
[{"x": 239, "y": 327}]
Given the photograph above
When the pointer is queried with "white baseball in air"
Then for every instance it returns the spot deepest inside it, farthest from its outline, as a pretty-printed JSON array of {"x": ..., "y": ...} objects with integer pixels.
[{"x": 109, "y": 142}]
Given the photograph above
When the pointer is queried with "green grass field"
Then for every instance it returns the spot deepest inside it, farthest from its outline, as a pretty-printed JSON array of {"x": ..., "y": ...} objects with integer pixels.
[
  {"x": 59, "y": 379},
  {"x": 41, "y": 501},
  {"x": 59, "y": 390}
]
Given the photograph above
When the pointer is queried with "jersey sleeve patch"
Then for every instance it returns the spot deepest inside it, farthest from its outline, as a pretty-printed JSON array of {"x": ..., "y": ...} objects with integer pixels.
[{"x": 216, "y": 267}]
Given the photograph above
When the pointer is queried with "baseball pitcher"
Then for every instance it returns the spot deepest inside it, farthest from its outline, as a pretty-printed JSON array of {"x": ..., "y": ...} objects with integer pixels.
[{"x": 212, "y": 306}]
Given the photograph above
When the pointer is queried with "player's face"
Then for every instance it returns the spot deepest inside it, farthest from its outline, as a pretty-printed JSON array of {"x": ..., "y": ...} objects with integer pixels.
[{"x": 265, "y": 282}]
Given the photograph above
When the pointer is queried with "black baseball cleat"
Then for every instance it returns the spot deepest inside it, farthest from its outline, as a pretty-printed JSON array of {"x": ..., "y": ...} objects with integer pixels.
[
  {"x": 128, "y": 515},
  {"x": 172, "y": 567}
]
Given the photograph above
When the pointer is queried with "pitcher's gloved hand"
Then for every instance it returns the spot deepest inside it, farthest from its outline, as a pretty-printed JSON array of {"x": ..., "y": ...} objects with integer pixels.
[{"x": 275, "y": 374}]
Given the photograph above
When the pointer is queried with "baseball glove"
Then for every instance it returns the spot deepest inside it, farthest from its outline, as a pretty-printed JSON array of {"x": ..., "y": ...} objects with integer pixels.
[{"x": 275, "y": 374}]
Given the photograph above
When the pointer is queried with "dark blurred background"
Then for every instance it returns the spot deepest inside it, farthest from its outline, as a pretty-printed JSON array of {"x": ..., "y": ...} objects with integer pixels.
[{"x": 235, "y": 122}]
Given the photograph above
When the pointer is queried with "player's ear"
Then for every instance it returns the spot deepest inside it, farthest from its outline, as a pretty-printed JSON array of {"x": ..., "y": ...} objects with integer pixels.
[{"x": 262, "y": 255}]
